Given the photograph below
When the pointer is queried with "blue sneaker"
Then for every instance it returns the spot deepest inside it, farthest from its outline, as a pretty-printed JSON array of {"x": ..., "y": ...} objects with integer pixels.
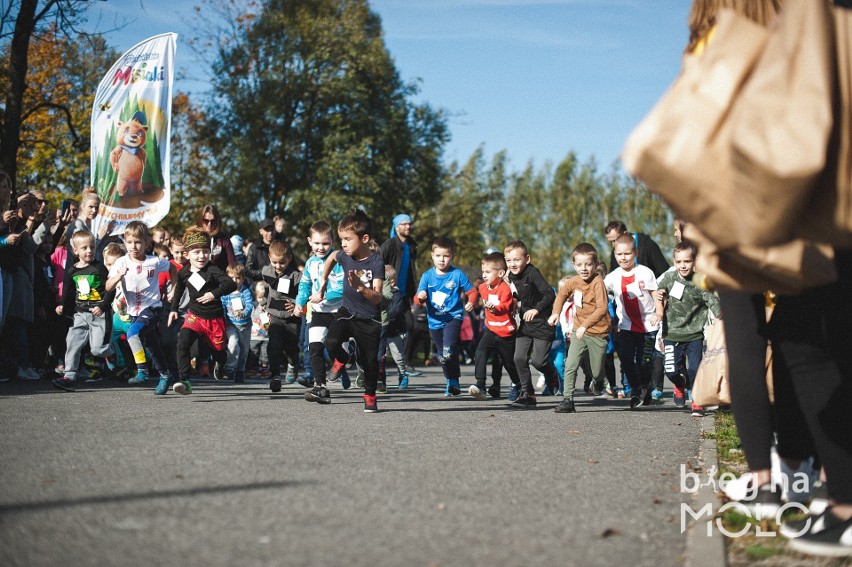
[
  {"x": 344, "y": 379},
  {"x": 162, "y": 387},
  {"x": 454, "y": 387},
  {"x": 403, "y": 382},
  {"x": 138, "y": 380},
  {"x": 656, "y": 395},
  {"x": 514, "y": 392}
]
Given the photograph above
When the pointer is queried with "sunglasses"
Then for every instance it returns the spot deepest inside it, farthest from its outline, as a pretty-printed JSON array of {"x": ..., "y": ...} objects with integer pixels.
[{"x": 208, "y": 221}]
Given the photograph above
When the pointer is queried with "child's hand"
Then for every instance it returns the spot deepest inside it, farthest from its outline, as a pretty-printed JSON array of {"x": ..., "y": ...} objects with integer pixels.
[
  {"x": 206, "y": 298},
  {"x": 173, "y": 316},
  {"x": 298, "y": 310},
  {"x": 488, "y": 306},
  {"x": 170, "y": 296},
  {"x": 59, "y": 310},
  {"x": 653, "y": 319},
  {"x": 530, "y": 315},
  {"x": 553, "y": 319},
  {"x": 316, "y": 297},
  {"x": 659, "y": 294},
  {"x": 123, "y": 271},
  {"x": 354, "y": 280},
  {"x": 423, "y": 296},
  {"x": 97, "y": 311},
  {"x": 238, "y": 314},
  {"x": 580, "y": 332},
  {"x": 468, "y": 306}
]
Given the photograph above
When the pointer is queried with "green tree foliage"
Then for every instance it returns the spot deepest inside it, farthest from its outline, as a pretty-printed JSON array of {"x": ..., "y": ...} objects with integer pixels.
[
  {"x": 310, "y": 117},
  {"x": 552, "y": 210},
  {"x": 62, "y": 76},
  {"x": 23, "y": 23},
  {"x": 192, "y": 164}
]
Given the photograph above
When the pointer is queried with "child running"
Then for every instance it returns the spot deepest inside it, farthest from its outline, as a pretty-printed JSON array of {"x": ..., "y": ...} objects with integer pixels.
[
  {"x": 360, "y": 315},
  {"x": 590, "y": 322},
  {"x": 85, "y": 293},
  {"x": 283, "y": 278},
  {"x": 631, "y": 284},
  {"x": 684, "y": 313},
  {"x": 138, "y": 273},
  {"x": 442, "y": 289},
  {"x": 322, "y": 312},
  {"x": 205, "y": 318},
  {"x": 498, "y": 338},
  {"x": 535, "y": 337},
  {"x": 238, "y": 306}
]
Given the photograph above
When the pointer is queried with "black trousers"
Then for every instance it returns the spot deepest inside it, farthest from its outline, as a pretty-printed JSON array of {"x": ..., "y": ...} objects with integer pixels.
[
  {"x": 366, "y": 333},
  {"x": 810, "y": 340},
  {"x": 489, "y": 344},
  {"x": 283, "y": 344},
  {"x": 538, "y": 353}
]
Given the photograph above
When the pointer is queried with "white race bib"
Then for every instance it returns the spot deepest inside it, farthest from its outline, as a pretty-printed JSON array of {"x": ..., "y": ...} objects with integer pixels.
[
  {"x": 493, "y": 299},
  {"x": 677, "y": 290},
  {"x": 634, "y": 290},
  {"x": 438, "y": 298},
  {"x": 578, "y": 298},
  {"x": 237, "y": 304},
  {"x": 83, "y": 287},
  {"x": 283, "y": 285},
  {"x": 197, "y": 281}
]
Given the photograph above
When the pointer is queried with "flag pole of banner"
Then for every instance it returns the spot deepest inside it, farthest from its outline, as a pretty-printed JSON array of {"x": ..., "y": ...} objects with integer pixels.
[{"x": 131, "y": 128}]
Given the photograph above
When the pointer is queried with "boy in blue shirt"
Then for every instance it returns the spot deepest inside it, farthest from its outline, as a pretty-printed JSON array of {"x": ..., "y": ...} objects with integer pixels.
[
  {"x": 238, "y": 306},
  {"x": 441, "y": 289}
]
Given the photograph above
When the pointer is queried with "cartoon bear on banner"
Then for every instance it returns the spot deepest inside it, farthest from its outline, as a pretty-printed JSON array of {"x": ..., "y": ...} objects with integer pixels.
[{"x": 128, "y": 157}]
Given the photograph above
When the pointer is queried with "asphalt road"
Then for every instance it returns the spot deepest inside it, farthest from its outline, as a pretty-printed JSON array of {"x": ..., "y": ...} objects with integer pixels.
[{"x": 236, "y": 475}]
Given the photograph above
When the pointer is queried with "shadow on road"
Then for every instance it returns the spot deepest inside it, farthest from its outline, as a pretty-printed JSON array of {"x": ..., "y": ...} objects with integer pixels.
[{"x": 131, "y": 497}]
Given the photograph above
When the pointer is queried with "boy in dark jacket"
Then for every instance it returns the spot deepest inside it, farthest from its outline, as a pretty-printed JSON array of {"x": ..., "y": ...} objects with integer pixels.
[{"x": 535, "y": 302}]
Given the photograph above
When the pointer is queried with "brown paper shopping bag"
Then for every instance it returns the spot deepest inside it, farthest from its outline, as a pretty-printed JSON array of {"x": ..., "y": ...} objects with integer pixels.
[
  {"x": 681, "y": 150},
  {"x": 711, "y": 383},
  {"x": 781, "y": 124}
]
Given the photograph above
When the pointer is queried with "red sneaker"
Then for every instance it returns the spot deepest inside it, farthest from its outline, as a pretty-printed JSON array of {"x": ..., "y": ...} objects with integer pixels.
[
  {"x": 370, "y": 404},
  {"x": 679, "y": 397},
  {"x": 335, "y": 372}
]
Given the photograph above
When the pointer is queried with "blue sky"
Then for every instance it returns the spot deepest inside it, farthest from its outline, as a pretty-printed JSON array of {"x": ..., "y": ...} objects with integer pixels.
[{"x": 538, "y": 78}]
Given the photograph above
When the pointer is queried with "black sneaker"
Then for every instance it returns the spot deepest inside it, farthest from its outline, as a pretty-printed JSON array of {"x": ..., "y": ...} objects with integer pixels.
[
  {"x": 494, "y": 391},
  {"x": 526, "y": 401},
  {"x": 567, "y": 406},
  {"x": 382, "y": 387},
  {"x": 63, "y": 383},
  {"x": 318, "y": 394},
  {"x": 306, "y": 382},
  {"x": 275, "y": 383},
  {"x": 819, "y": 498},
  {"x": 635, "y": 402},
  {"x": 764, "y": 503},
  {"x": 826, "y": 536}
]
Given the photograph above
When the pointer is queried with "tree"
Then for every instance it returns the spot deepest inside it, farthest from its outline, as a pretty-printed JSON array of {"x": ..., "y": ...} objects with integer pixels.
[
  {"x": 61, "y": 82},
  {"x": 192, "y": 162},
  {"x": 313, "y": 118},
  {"x": 20, "y": 20}
]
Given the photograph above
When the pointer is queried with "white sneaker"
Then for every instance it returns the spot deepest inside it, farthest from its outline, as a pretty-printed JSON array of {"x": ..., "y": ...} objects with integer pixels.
[
  {"x": 27, "y": 374},
  {"x": 476, "y": 392},
  {"x": 541, "y": 382}
]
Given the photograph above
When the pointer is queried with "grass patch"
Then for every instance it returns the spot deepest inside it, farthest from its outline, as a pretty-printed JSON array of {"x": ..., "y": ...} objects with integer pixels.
[{"x": 729, "y": 450}]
